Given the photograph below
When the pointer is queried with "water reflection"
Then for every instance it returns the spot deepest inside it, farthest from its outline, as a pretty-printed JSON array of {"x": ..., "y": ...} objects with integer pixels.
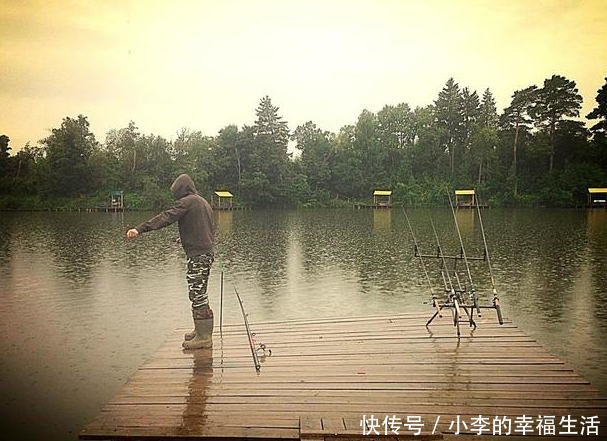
[
  {"x": 466, "y": 220},
  {"x": 194, "y": 418},
  {"x": 255, "y": 247},
  {"x": 223, "y": 221},
  {"x": 595, "y": 239},
  {"x": 382, "y": 221}
]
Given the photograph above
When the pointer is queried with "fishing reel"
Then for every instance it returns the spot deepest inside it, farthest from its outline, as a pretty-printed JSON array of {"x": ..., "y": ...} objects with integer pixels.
[{"x": 263, "y": 351}]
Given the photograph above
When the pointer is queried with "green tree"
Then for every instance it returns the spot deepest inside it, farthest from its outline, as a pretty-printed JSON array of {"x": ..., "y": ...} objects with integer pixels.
[
  {"x": 4, "y": 161},
  {"x": 347, "y": 172},
  {"x": 122, "y": 145},
  {"x": 233, "y": 155},
  {"x": 480, "y": 121},
  {"x": 396, "y": 137},
  {"x": 269, "y": 158},
  {"x": 316, "y": 153},
  {"x": 369, "y": 150},
  {"x": 571, "y": 142},
  {"x": 427, "y": 155},
  {"x": 482, "y": 150},
  {"x": 600, "y": 111},
  {"x": 27, "y": 162},
  {"x": 599, "y": 130},
  {"x": 470, "y": 111},
  {"x": 488, "y": 112},
  {"x": 155, "y": 162},
  {"x": 449, "y": 116},
  {"x": 517, "y": 116},
  {"x": 4, "y": 147},
  {"x": 68, "y": 150},
  {"x": 558, "y": 98},
  {"x": 197, "y": 155}
]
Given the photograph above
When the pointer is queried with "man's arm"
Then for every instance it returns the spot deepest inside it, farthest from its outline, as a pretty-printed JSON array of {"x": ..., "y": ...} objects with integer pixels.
[{"x": 162, "y": 220}]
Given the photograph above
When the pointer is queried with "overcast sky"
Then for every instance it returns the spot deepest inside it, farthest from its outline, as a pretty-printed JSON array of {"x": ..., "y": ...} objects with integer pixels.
[{"x": 206, "y": 64}]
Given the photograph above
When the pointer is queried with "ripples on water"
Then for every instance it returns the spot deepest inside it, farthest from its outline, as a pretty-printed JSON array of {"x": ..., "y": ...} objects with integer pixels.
[{"x": 81, "y": 307}]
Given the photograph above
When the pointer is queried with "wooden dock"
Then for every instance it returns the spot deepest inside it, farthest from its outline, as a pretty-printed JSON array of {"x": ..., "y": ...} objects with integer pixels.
[
  {"x": 470, "y": 206},
  {"x": 232, "y": 208},
  {"x": 372, "y": 206},
  {"x": 323, "y": 375}
]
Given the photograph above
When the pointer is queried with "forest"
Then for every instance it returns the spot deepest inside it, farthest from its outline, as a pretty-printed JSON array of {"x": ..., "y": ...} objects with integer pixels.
[{"x": 537, "y": 152}]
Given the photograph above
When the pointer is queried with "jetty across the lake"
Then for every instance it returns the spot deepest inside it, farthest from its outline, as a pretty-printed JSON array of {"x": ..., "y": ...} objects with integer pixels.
[{"x": 326, "y": 376}]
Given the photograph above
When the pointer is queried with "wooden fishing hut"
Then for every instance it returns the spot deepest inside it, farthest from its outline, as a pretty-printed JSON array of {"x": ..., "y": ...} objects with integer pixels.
[
  {"x": 382, "y": 198},
  {"x": 468, "y": 199},
  {"x": 465, "y": 199},
  {"x": 116, "y": 202},
  {"x": 222, "y": 200},
  {"x": 597, "y": 198}
]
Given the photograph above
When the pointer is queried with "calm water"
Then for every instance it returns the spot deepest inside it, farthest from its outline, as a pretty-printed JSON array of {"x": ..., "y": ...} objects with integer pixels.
[{"x": 81, "y": 307}]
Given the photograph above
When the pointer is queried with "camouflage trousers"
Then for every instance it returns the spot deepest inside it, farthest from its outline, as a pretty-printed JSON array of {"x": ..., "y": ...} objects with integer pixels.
[{"x": 199, "y": 268}]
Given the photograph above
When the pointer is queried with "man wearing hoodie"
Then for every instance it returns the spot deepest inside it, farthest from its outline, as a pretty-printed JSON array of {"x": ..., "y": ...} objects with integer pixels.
[{"x": 195, "y": 219}]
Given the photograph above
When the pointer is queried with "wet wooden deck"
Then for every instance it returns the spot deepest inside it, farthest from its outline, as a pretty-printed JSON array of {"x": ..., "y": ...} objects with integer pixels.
[{"x": 324, "y": 375}]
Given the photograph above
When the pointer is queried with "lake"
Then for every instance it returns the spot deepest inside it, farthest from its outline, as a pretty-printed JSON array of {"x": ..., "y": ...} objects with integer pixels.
[{"x": 81, "y": 306}]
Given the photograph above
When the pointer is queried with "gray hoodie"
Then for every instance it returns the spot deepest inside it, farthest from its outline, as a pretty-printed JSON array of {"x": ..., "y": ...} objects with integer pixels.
[{"x": 194, "y": 216}]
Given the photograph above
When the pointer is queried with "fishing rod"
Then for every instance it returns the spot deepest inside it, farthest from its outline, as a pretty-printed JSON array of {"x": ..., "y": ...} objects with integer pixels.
[
  {"x": 252, "y": 343},
  {"x": 249, "y": 333},
  {"x": 421, "y": 259},
  {"x": 496, "y": 300},
  {"x": 455, "y": 299},
  {"x": 452, "y": 300},
  {"x": 442, "y": 257},
  {"x": 462, "y": 297},
  {"x": 221, "y": 267},
  {"x": 473, "y": 296}
]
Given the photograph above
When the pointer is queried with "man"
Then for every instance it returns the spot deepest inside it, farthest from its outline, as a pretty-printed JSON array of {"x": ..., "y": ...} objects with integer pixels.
[{"x": 195, "y": 219}]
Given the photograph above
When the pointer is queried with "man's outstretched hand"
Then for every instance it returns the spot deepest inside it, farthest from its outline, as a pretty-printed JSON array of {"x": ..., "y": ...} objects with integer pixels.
[{"x": 132, "y": 233}]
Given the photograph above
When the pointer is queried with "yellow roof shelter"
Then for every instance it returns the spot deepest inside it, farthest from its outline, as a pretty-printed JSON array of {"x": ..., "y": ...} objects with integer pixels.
[
  {"x": 382, "y": 198},
  {"x": 465, "y": 198},
  {"x": 222, "y": 200},
  {"x": 597, "y": 197},
  {"x": 382, "y": 193}
]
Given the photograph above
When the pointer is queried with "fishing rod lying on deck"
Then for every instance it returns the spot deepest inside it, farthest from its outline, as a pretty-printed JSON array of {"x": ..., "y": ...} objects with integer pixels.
[
  {"x": 458, "y": 296},
  {"x": 251, "y": 335}
]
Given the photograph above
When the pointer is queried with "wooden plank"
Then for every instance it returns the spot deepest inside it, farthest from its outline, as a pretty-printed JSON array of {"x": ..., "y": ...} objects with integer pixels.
[
  {"x": 309, "y": 426},
  {"x": 591, "y": 403},
  {"x": 324, "y": 374}
]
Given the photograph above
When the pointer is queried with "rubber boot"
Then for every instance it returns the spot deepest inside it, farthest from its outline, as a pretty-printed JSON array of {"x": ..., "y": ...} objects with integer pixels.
[
  {"x": 190, "y": 335},
  {"x": 203, "y": 327}
]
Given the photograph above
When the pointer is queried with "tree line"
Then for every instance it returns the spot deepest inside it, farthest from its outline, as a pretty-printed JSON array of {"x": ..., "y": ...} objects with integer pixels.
[{"x": 533, "y": 153}]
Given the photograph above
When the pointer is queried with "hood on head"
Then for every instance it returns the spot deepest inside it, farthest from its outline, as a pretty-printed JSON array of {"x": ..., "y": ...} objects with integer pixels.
[{"x": 183, "y": 186}]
